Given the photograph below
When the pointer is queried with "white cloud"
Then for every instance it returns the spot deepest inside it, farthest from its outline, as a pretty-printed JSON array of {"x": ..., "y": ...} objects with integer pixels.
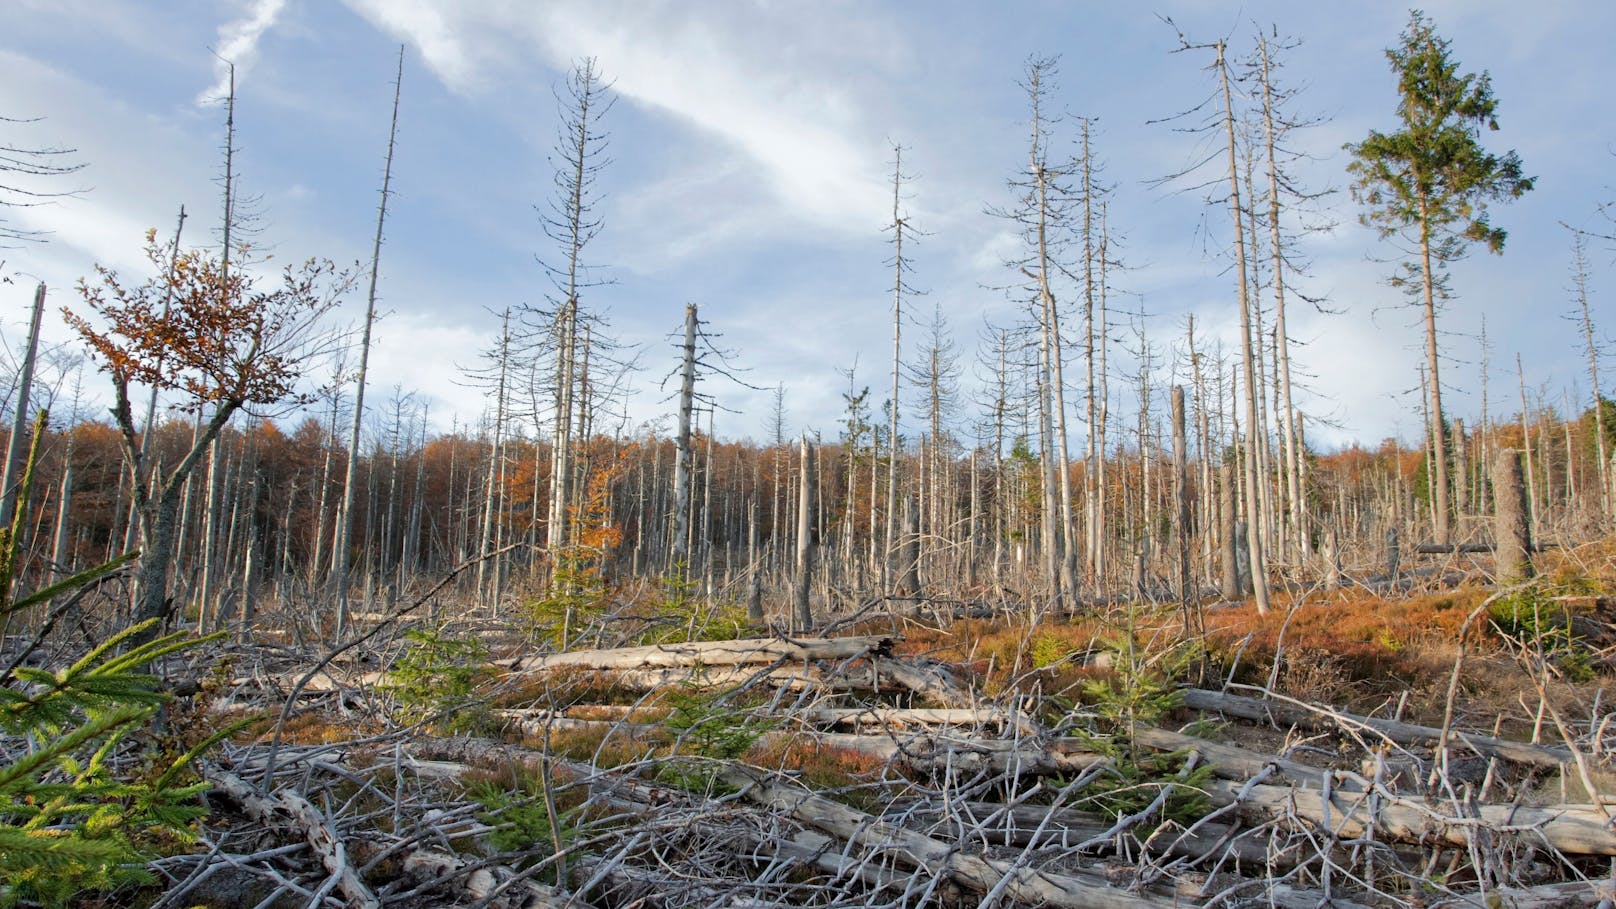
[
  {"x": 798, "y": 121},
  {"x": 438, "y": 36},
  {"x": 238, "y": 45}
]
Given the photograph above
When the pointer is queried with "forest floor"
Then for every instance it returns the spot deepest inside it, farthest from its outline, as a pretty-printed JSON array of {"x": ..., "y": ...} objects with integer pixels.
[{"x": 1428, "y": 746}]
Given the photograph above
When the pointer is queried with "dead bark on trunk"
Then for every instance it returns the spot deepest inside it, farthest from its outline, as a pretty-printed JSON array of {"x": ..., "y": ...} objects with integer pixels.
[
  {"x": 1511, "y": 527},
  {"x": 806, "y": 540}
]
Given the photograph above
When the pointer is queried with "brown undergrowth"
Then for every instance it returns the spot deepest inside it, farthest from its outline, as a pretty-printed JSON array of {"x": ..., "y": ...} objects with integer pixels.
[{"x": 1358, "y": 650}]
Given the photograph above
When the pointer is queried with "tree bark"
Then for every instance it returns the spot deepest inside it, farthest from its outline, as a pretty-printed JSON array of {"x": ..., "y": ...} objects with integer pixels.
[
  {"x": 1512, "y": 531},
  {"x": 805, "y": 540},
  {"x": 1254, "y": 536}
]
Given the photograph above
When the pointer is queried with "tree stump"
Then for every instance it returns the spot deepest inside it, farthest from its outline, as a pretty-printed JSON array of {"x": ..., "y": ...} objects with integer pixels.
[{"x": 1512, "y": 531}]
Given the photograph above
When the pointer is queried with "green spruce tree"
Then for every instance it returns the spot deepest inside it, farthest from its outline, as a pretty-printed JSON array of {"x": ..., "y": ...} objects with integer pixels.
[{"x": 1428, "y": 184}]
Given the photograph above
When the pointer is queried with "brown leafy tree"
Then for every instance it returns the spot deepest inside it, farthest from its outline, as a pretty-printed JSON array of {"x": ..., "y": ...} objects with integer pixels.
[{"x": 210, "y": 335}]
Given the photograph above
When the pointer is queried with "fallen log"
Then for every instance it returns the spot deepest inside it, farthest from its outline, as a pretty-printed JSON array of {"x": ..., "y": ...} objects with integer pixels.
[
  {"x": 899, "y": 717},
  {"x": 928, "y": 680},
  {"x": 927, "y": 752},
  {"x": 1046, "y": 826},
  {"x": 710, "y": 653},
  {"x": 1263, "y": 710},
  {"x": 316, "y": 829},
  {"x": 1228, "y": 761},
  {"x": 832, "y": 717},
  {"x": 483, "y": 884},
  {"x": 1570, "y": 829},
  {"x": 857, "y": 679},
  {"x": 976, "y": 872}
]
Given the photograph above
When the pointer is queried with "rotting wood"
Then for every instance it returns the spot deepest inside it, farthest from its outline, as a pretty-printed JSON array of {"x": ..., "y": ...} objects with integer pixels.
[{"x": 316, "y": 829}]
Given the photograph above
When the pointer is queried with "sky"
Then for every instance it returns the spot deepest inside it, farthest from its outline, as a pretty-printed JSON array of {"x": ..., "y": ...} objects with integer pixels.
[{"x": 749, "y": 172}]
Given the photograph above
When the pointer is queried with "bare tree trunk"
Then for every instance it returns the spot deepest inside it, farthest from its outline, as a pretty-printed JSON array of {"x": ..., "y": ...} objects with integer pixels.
[
  {"x": 1461, "y": 470},
  {"x": 19, "y": 422},
  {"x": 894, "y": 449},
  {"x": 1440, "y": 509},
  {"x": 754, "y": 558},
  {"x": 1231, "y": 566},
  {"x": 1181, "y": 493},
  {"x": 1526, "y": 444},
  {"x": 1295, "y": 500},
  {"x": 1254, "y": 540},
  {"x": 1580, "y": 281},
  {"x": 491, "y": 501},
  {"x": 1512, "y": 531},
  {"x": 345, "y": 521},
  {"x": 681, "y": 457},
  {"x": 60, "y": 555},
  {"x": 805, "y": 539}
]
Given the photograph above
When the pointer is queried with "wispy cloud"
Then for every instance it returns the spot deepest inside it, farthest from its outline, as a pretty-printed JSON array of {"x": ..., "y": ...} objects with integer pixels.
[
  {"x": 238, "y": 45},
  {"x": 791, "y": 102}
]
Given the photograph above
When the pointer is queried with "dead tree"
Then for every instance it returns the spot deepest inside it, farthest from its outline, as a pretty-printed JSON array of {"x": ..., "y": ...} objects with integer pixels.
[
  {"x": 340, "y": 553},
  {"x": 806, "y": 538},
  {"x": 1512, "y": 531}
]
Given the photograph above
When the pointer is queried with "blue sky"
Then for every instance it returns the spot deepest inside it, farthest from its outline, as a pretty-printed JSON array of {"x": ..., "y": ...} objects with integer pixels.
[{"x": 750, "y": 151}]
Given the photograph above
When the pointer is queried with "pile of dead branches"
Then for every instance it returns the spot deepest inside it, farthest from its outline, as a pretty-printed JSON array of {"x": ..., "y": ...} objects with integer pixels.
[{"x": 834, "y": 772}]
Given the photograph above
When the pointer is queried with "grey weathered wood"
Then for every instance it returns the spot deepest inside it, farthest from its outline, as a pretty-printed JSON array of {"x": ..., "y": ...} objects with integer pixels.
[
  {"x": 314, "y": 825},
  {"x": 1571, "y": 829},
  {"x": 1262, "y": 711},
  {"x": 1512, "y": 532},
  {"x": 681, "y": 456},
  {"x": 710, "y": 653},
  {"x": 803, "y": 582},
  {"x": 976, "y": 872}
]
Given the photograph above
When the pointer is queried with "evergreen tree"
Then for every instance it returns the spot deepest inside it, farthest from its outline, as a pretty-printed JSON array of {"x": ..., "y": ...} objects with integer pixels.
[{"x": 1428, "y": 184}]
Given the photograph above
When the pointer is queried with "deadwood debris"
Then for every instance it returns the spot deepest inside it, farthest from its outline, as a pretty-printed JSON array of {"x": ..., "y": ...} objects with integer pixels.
[{"x": 873, "y": 779}]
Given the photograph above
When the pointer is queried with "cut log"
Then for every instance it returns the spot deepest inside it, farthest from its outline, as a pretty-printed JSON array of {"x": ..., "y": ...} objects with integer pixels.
[
  {"x": 1278, "y": 712},
  {"x": 711, "y": 653}
]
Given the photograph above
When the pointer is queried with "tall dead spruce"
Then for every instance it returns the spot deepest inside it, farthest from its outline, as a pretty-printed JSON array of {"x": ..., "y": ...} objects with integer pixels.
[{"x": 571, "y": 223}]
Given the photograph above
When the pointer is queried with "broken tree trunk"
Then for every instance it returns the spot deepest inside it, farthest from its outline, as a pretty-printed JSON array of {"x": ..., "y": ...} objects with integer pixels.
[
  {"x": 803, "y": 582},
  {"x": 1263, "y": 711},
  {"x": 1571, "y": 829},
  {"x": 1511, "y": 527},
  {"x": 268, "y": 809},
  {"x": 711, "y": 653},
  {"x": 978, "y": 873}
]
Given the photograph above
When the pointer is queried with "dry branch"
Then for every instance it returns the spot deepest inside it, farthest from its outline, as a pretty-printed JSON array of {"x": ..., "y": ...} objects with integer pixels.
[
  {"x": 1263, "y": 710},
  {"x": 316, "y": 829},
  {"x": 975, "y": 872}
]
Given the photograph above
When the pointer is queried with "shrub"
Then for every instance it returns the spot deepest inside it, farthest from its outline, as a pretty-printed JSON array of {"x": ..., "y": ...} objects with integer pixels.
[{"x": 436, "y": 677}]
